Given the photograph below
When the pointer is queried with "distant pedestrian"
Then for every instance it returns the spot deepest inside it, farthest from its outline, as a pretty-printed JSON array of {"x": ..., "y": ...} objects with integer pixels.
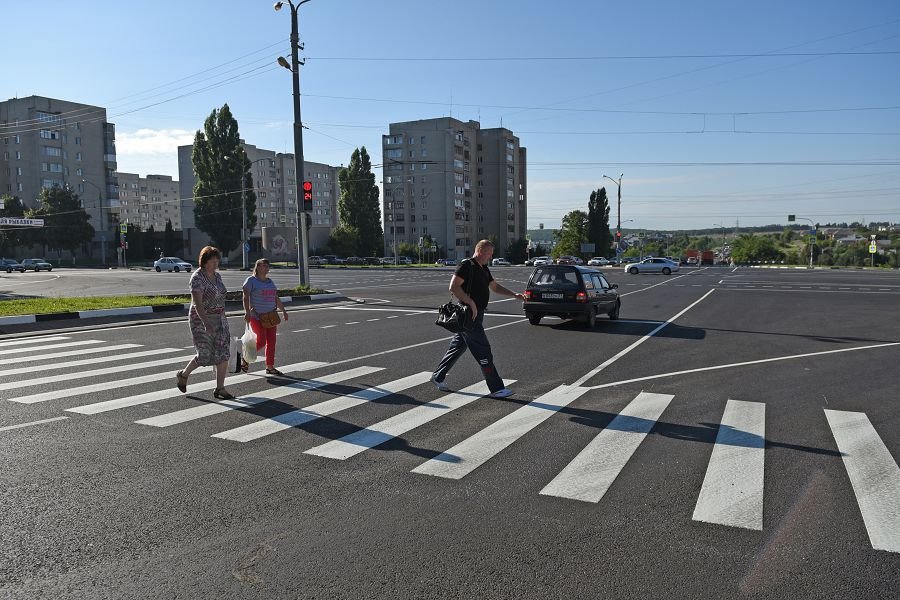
[
  {"x": 261, "y": 306},
  {"x": 472, "y": 284},
  {"x": 209, "y": 325}
]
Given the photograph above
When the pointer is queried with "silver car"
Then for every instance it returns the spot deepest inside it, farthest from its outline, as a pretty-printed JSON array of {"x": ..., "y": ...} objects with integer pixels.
[
  {"x": 172, "y": 263},
  {"x": 38, "y": 264},
  {"x": 652, "y": 265}
]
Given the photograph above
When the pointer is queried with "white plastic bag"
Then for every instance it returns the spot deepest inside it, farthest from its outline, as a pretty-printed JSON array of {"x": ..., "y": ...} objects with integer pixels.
[{"x": 248, "y": 345}]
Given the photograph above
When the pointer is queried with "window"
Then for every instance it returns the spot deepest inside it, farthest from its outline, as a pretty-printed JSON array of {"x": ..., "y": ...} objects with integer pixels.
[
  {"x": 47, "y": 117},
  {"x": 19, "y": 186},
  {"x": 49, "y": 135},
  {"x": 78, "y": 156},
  {"x": 393, "y": 139},
  {"x": 19, "y": 170},
  {"x": 422, "y": 140},
  {"x": 77, "y": 141},
  {"x": 412, "y": 140},
  {"x": 394, "y": 153},
  {"x": 50, "y": 151}
]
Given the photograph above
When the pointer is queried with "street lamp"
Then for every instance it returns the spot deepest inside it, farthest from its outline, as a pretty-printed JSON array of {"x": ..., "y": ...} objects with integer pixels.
[
  {"x": 102, "y": 231},
  {"x": 294, "y": 68},
  {"x": 812, "y": 233},
  {"x": 245, "y": 262},
  {"x": 618, "y": 210}
]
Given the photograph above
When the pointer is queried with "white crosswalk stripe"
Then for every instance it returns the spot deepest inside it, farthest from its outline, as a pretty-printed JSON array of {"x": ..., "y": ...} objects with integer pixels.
[
  {"x": 874, "y": 475},
  {"x": 37, "y": 340},
  {"x": 207, "y": 410},
  {"x": 128, "y": 401},
  {"x": 592, "y": 472},
  {"x": 294, "y": 418},
  {"x": 379, "y": 433},
  {"x": 11, "y": 385},
  {"x": 48, "y": 347},
  {"x": 732, "y": 492},
  {"x": 84, "y": 361},
  {"x": 79, "y": 352},
  {"x": 465, "y": 457}
]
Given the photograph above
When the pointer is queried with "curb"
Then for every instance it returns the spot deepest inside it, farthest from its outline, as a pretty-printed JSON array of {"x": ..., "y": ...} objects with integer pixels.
[{"x": 142, "y": 310}]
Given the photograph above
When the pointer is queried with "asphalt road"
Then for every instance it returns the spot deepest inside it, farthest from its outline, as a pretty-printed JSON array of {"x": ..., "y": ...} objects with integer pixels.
[{"x": 735, "y": 435}]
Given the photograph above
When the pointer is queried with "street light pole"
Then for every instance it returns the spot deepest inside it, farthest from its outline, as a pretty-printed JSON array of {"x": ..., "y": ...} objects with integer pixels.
[
  {"x": 811, "y": 241},
  {"x": 294, "y": 67},
  {"x": 618, "y": 211},
  {"x": 722, "y": 253}
]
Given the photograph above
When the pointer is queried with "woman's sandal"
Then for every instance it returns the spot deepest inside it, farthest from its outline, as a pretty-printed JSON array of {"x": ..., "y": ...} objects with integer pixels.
[
  {"x": 245, "y": 366},
  {"x": 273, "y": 371},
  {"x": 181, "y": 381},
  {"x": 221, "y": 394}
]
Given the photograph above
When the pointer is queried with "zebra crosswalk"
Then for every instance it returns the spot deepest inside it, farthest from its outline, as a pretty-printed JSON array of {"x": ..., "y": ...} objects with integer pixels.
[{"x": 732, "y": 493}]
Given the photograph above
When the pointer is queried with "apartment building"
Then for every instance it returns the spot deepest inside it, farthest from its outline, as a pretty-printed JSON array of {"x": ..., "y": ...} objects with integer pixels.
[
  {"x": 149, "y": 201},
  {"x": 47, "y": 142},
  {"x": 276, "y": 187},
  {"x": 455, "y": 182}
]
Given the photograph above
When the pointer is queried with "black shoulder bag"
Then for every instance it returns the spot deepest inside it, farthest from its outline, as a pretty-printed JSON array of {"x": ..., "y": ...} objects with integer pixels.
[{"x": 455, "y": 317}]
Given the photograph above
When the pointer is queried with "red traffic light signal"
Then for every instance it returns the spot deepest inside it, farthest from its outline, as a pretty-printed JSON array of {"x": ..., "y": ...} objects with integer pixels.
[
  {"x": 618, "y": 234},
  {"x": 307, "y": 196}
]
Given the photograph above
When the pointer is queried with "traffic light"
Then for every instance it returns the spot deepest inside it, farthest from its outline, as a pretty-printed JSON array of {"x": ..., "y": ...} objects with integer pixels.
[{"x": 307, "y": 196}]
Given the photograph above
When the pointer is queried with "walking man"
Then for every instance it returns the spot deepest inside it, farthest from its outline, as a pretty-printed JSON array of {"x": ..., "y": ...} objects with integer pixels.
[{"x": 472, "y": 284}]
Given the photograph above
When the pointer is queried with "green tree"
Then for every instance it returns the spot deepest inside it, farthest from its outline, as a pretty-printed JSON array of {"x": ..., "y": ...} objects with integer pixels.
[
  {"x": 66, "y": 224},
  {"x": 516, "y": 251},
  {"x": 170, "y": 243},
  {"x": 598, "y": 222},
  {"x": 571, "y": 234},
  {"x": 358, "y": 207},
  {"x": 12, "y": 238},
  {"x": 220, "y": 167},
  {"x": 343, "y": 240}
]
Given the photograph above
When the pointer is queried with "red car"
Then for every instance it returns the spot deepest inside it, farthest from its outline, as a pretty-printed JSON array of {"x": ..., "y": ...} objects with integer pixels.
[{"x": 566, "y": 260}]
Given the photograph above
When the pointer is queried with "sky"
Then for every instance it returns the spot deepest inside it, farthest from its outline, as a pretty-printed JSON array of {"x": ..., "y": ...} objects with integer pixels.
[{"x": 715, "y": 113}]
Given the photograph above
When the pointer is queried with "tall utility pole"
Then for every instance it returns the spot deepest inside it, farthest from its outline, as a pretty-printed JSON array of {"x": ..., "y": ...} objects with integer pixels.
[
  {"x": 294, "y": 68},
  {"x": 618, "y": 211},
  {"x": 102, "y": 231}
]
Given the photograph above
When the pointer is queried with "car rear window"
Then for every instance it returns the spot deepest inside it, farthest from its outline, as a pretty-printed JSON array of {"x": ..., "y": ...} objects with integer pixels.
[{"x": 550, "y": 277}]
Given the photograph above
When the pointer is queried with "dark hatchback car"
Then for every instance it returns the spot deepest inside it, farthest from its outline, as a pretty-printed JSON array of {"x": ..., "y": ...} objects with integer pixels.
[{"x": 570, "y": 292}]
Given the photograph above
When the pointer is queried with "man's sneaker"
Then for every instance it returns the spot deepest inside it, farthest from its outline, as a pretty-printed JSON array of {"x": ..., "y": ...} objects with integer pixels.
[
  {"x": 439, "y": 384},
  {"x": 504, "y": 393}
]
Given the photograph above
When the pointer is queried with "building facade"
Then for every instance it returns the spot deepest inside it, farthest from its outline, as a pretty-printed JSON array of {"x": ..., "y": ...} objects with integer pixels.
[
  {"x": 276, "y": 187},
  {"x": 149, "y": 201},
  {"x": 47, "y": 142},
  {"x": 454, "y": 183}
]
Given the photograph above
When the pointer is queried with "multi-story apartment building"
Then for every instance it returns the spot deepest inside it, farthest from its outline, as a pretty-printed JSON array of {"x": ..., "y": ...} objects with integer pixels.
[
  {"x": 276, "y": 188},
  {"x": 48, "y": 142},
  {"x": 454, "y": 182},
  {"x": 149, "y": 201}
]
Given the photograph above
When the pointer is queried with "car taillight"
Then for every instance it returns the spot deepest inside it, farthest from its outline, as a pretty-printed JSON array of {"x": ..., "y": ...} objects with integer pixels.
[
  {"x": 527, "y": 295},
  {"x": 580, "y": 297}
]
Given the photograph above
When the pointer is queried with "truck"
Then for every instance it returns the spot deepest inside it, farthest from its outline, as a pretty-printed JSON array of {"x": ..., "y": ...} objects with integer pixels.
[{"x": 698, "y": 257}]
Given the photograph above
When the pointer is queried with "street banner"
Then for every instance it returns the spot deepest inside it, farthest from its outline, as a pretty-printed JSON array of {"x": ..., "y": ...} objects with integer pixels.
[{"x": 21, "y": 222}]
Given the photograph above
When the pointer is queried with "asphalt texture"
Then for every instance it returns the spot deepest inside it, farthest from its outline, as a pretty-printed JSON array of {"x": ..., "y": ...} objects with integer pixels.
[{"x": 137, "y": 499}]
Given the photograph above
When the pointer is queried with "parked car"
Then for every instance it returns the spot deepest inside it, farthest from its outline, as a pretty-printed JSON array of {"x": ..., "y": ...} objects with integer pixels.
[
  {"x": 500, "y": 262},
  {"x": 172, "y": 263},
  {"x": 446, "y": 262},
  {"x": 372, "y": 260},
  {"x": 598, "y": 261},
  {"x": 9, "y": 265},
  {"x": 653, "y": 265},
  {"x": 354, "y": 260},
  {"x": 570, "y": 292},
  {"x": 388, "y": 260},
  {"x": 316, "y": 261},
  {"x": 404, "y": 260},
  {"x": 541, "y": 260},
  {"x": 38, "y": 264},
  {"x": 333, "y": 259},
  {"x": 565, "y": 260}
]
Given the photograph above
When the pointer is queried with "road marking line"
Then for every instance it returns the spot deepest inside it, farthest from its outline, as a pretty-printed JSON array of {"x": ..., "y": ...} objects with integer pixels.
[
  {"x": 8, "y": 361},
  {"x": 392, "y": 317},
  {"x": 471, "y": 453},
  {"x": 352, "y": 323},
  {"x": 36, "y": 340},
  {"x": 739, "y": 364},
  {"x": 732, "y": 492},
  {"x": 93, "y": 373},
  {"x": 874, "y": 475},
  {"x": 10, "y": 427},
  {"x": 49, "y": 347},
  {"x": 300, "y": 330},
  {"x": 220, "y": 406},
  {"x": 86, "y": 361},
  {"x": 592, "y": 472},
  {"x": 127, "y": 401},
  {"x": 634, "y": 345},
  {"x": 379, "y": 433},
  {"x": 370, "y": 320},
  {"x": 298, "y": 417},
  {"x": 327, "y": 326}
]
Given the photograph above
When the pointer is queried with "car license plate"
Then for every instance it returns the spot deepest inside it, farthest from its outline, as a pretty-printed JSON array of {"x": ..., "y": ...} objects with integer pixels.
[{"x": 552, "y": 296}]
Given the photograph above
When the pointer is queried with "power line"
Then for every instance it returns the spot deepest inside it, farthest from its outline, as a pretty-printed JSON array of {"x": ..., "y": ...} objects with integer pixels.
[{"x": 597, "y": 58}]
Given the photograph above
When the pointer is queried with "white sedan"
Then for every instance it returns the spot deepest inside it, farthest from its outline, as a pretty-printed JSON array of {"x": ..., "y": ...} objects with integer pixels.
[
  {"x": 598, "y": 261},
  {"x": 172, "y": 263},
  {"x": 652, "y": 265},
  {"x": 500, "y": 262}
]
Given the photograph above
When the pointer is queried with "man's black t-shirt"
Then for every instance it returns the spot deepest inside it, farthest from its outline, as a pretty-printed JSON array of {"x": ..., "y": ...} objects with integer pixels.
[{"x": 476, "y": 279}]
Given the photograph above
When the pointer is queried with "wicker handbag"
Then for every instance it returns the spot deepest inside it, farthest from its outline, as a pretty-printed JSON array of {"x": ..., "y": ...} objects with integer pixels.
[{"x": 270, "y": 319}]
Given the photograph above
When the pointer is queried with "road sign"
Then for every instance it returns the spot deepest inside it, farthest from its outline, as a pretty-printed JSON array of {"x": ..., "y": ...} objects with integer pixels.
[
  {"x": 873, "y": 248},
  {"x": 246, "y": 247},
  {"x": 812, "y": 232},
  {"x": 21, "y": 222},
  {"x": 123, "y": 228}
]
